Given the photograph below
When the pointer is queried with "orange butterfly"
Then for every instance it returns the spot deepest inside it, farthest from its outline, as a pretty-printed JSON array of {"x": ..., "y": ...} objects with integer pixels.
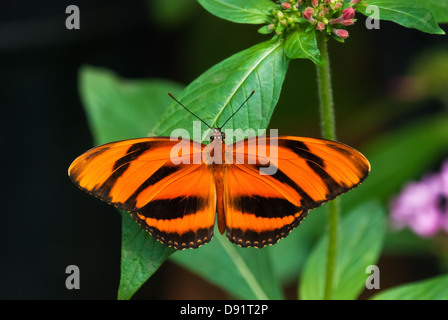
[{"x": 174, "y": 188}]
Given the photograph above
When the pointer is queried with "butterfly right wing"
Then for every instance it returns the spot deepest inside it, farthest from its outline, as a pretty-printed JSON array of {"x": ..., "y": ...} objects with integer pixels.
[
  {"x": 272, "y": 183},
  {"x": 161, "y": 182}
]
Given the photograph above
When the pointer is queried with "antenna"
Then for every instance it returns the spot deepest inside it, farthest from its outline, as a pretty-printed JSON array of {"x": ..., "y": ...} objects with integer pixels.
[
  {"x": 189, "y": 110},
  {"x": 238, "y": 109}
]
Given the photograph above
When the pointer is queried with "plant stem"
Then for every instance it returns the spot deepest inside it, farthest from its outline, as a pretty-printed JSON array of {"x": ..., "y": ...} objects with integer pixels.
[
  {"x": 328, "y": 126},
  {"x": 325, "y": 92}
]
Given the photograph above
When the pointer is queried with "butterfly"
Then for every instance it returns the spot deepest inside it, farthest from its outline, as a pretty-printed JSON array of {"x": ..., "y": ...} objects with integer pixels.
[{"x": 257, "y": 189}]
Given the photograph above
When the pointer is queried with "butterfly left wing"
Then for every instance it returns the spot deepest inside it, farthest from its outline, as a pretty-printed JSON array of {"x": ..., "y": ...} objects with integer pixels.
[
  {"x": 274, "y": 182},
  {"x": 161, "y": 182}
]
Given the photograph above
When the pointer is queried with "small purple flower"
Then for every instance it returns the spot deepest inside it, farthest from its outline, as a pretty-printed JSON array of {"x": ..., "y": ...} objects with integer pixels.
[{"x": 423, "y": 206}]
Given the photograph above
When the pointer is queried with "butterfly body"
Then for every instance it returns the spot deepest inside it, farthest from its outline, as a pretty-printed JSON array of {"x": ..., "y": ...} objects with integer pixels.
[
  {"x": 215, "y": 157},
  {"x": 259, "y": 188}
]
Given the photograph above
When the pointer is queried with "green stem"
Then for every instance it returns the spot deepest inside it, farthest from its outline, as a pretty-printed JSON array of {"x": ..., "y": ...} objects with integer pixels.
[
  {"x": 325, "y": 93},
  {"x": 328, "y": 126}
]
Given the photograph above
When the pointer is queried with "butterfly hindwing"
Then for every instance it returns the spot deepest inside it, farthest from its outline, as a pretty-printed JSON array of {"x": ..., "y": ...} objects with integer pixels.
[
  {"x": 258, "y": 212},
  {"x": 159, "y": 181}
]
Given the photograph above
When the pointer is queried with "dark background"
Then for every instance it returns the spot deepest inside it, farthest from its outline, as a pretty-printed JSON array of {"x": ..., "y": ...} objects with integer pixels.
[{"x": 45, "y": 225}]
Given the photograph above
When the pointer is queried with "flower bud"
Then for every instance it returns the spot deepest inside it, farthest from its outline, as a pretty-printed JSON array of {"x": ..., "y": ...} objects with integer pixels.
[
  {"x": 341, "y": 33},
  {"x": 336, "y": 21},
  {"x": 348, "y": 13},
  {"x": 308, "y": 13},
  {"x": 320, "y": 26},
  {"x": 286, "y": 5}
]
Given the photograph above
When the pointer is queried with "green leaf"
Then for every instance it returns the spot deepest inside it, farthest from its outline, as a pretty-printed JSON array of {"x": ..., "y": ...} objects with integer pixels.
[
  {"x": 431, "y": 289},
  {"x": 265, "y": 30},
  {"x": 119, "y": 109},
  {"x": 361, "y": 238},
  {"x": 439, "y": 8},
  {"x": 403, "y": 12},
  {"x": 245, "y": 273},
  {"x": 214, "y": 96},
  {"x": 240, "y": 11},
  {"x": 219, "y": 91},
  {"x": 300, "y": 241},
  {"x": 141, "y": 256},
  {"x": 303, "y": 45}
]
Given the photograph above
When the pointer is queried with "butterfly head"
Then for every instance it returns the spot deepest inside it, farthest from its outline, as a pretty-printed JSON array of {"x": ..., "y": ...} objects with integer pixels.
[{"x": 217, "y": 135}]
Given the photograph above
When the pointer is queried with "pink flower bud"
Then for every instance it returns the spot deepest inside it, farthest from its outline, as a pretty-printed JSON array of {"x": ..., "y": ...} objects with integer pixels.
[
  {"x": 286, "y": 5},
  {"x": 308, "y": 13},
  {"x": 336, "y": 21},
  {"x": 320, "y": 26},
  {"x": 341, "y": 33},
  {"x": 348, "y": 22},
  {"x": 348, "y": 13},
  {"x": 355, "y": 1},
  {"x": 314, "y": 3}
]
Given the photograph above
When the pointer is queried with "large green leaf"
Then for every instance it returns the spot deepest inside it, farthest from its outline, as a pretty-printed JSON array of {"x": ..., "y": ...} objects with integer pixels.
[
  {"x": 245, "y": 273},
  {"x": 240, "y": 11},
  {"x": 119, "y": 109},
  {"x": 432, "y": 289},
  {"x": 300, "y": 242},
  {"x": 303, "y": 45},
  {"x": 438, "y": 7},
  {"x": 141, "y": 256},
  {"x": 214, "y": 96},
  {"x": 361, "y": 238},
  {"x": 403, "y": 12},
  {"x": 219, "y": 91}
]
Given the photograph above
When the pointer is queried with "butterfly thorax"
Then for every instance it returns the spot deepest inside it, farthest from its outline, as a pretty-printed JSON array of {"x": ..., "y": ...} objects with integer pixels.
[{"x": 215, "y": 152}]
